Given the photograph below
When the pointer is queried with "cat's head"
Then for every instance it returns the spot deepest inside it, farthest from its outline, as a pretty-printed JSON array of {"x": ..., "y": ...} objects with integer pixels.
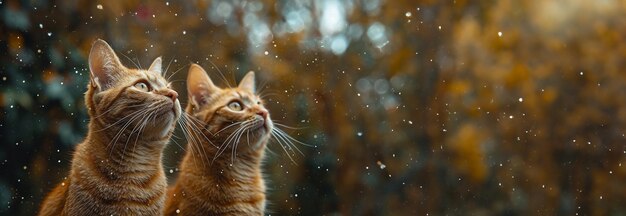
[
  {"x": 130, "y": 99},
  {"x": 234, "y": 117}
]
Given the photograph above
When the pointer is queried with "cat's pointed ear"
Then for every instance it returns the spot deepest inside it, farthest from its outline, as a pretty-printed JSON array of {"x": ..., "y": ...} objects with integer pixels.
[
  {"x": 247, "y": 82},
  {"x": 156, "y": 65},
  {"x": 104, "y": 65},
  {"x": 199, "y": 86}
]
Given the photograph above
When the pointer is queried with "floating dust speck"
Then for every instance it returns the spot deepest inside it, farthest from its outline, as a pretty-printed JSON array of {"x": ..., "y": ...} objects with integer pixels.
[{"x": 381, "y": 165}]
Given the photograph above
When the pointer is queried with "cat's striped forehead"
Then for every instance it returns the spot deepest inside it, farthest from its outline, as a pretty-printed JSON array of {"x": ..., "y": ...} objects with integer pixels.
[
  {"x": 153, "y": 77},
  {"x": 227, "y": 95},
  {"x": 245, "y": 96}
]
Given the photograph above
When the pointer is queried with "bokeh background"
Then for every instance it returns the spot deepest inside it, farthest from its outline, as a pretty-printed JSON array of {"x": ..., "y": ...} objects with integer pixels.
[{"x": 412, "y": 107}]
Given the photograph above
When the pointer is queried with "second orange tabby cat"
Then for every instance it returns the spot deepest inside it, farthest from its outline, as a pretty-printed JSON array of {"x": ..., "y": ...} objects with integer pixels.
[{"x": 221, "y": 172}]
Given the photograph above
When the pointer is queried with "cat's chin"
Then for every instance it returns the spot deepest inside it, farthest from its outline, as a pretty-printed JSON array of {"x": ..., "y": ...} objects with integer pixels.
[
  {"x": 176, "y": 109},
  {"x": 261, "y": 134},
  {"x": 163, "y": 125},
  {"x": 168, "y": 117}
]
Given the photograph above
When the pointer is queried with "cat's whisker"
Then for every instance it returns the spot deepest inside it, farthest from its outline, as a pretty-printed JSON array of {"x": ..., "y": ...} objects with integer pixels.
[
  {"x": 261, "y": 88},
  {"x": 236, "y": 142},
  {"x": 248, "y": 137},
  {"x": 197, "y": 141},
  {"x": 175, "y": 72},
  {"x": 191, "y": 126},
  {"x": 230, "y": 138},
  {"x": 231, "y": 125},
  {"x": 105, "y": 112},
  {"x": 138, "y": 62},
  {"x": 289, "y": 127},
  {"x": 140, "y": 118},
  {"x": 283, "y": 147},
  {"x": 263, "y": 92},
  {"x": 151, "y": 117},
  {"x": 125, "y": 125},
  {"x": 291, "y": 145},
  {"x": 175, "y": 81},
  {"x": 177, "y": 137},
  {"x": 291, "y": 138},
  {"x": 113, "y": 141},
  {"x": 189, "y": 141},
  {"x": 221, "y": 74},
  {"x": 143, "y": 121},
  {"x": 130, "y": 115},
  {"x": 267, "y": 148},
  {"x": 224, "y": 145},
  {"x": 265, "y": 95},
  {"x": 285, "y": 141},
  {"x": 131, "y": 60},
  {"x": 198, "y": 124},
  {"x": 178, "y": 144},
  {"x": 182, "y": 127},
  {"x": 246, "y": 129},
  {"x": 167, "y": 68},
  {"x": 193, "y": 143}
]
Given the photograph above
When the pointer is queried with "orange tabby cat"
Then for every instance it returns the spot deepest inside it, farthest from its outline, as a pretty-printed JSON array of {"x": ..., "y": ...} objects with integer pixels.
[
  {"x": 221, "y": 172},
  {"x": 117, "y": 169}
]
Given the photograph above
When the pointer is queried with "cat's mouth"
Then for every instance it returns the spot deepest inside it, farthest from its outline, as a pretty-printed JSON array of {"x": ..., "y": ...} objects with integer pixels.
[
  {"x": 258, "y": 123},
  {"x": 168, "y": 115},
  {"x": 174, "y": 110}
]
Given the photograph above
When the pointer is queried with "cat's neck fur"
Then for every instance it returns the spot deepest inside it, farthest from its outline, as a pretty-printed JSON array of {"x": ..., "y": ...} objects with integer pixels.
[
  {"x": 224, "y": 187},
  {"x": 129, "y": 151}
]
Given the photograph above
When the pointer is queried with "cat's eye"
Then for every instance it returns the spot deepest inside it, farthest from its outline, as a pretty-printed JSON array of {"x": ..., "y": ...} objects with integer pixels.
[
  {"x": 142, "y": 86},
  {"x": 258, "y": 102},
  {"x": 236, "y": 106}
]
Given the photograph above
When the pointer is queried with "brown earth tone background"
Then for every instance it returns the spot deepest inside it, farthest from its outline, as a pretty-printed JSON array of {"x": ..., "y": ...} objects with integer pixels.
[{"x": 412, "y": 107}]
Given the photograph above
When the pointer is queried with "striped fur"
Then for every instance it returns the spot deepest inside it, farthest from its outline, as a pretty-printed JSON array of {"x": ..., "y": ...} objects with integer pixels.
[
  {"x": 117, "y": 169},
  {"x": 221, "y": 175}
]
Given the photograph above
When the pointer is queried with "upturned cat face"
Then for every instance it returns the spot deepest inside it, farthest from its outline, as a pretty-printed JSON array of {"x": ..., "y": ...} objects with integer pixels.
[
  {"x": 234, "y": 117},
  {"x": 130, "y": 99}
]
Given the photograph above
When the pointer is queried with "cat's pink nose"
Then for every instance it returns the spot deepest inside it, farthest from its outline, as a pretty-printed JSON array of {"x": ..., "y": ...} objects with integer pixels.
[
  {"x": 171, "y": 94},
  {"x": 262, "y": 113}
]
